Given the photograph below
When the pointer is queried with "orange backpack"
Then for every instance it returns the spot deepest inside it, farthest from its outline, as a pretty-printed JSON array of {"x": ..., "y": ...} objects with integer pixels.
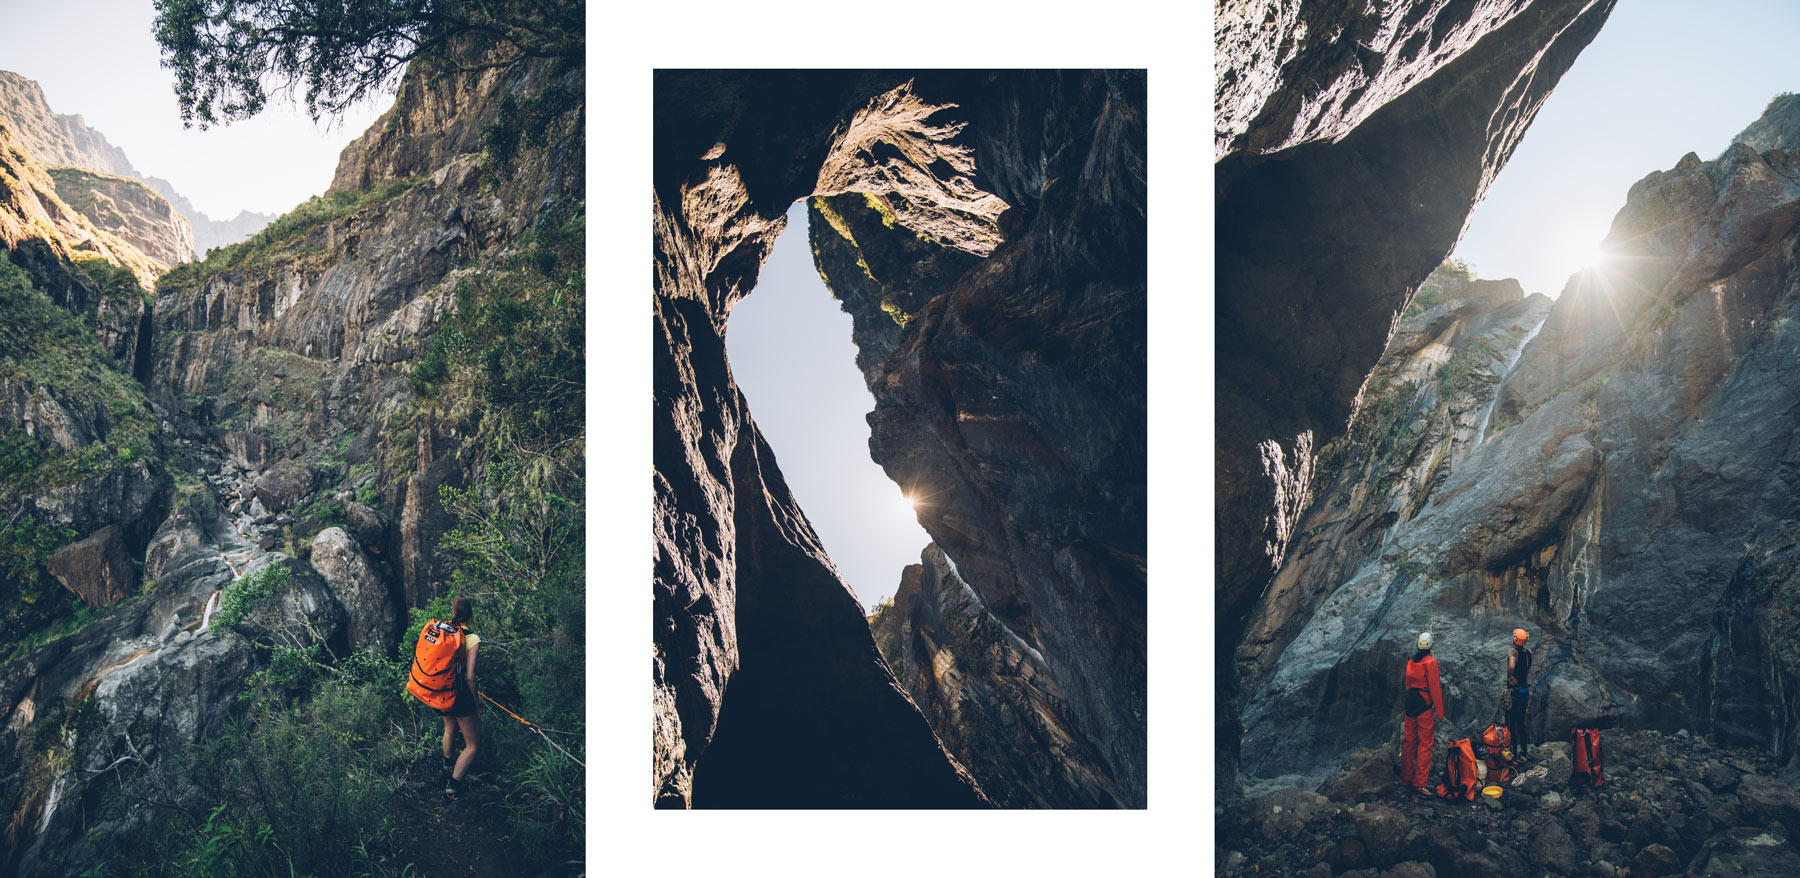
[
  {"x": 433, "y": 679},
  {"x": 1459, "y": 772},
  {"x": 1498, "y": 740}
]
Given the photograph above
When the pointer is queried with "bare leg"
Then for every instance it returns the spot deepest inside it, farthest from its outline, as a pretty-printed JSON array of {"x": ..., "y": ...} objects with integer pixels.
[
  {"x": 449, "y": 733},
  {"x": 471, "y": 730}
]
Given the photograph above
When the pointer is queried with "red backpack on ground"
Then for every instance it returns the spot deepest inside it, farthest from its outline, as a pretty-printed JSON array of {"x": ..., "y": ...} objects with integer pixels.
[
  {"x": 1497, "y": 739},
  {"x": 433, "y": 678},
  {"x": 1587, "y": 756},
  {"x": 1459, "y": 772}
]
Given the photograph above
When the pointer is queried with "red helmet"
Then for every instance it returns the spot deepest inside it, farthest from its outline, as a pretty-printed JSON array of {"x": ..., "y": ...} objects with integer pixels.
[{"x": 1520, "y": 636}]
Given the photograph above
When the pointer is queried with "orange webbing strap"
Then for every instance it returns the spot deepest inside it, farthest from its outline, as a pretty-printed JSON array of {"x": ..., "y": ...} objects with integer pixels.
[{"x": 536, "y": 728}]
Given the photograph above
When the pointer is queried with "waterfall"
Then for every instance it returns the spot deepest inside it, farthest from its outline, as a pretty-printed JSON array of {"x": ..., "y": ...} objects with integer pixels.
[{"x": 1505, "y": 373}]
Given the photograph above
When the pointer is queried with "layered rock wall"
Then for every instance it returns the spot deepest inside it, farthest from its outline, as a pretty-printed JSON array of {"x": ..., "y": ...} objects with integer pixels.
[
  {"x": 1631, "y": 505},
  {"x": 1352, "y": 147}
]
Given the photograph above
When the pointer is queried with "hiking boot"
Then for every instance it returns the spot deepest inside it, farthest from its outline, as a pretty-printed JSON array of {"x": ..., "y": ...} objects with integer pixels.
[
  {"x": 1424, "y": 792},
  {"x": 452, "y": 787}
]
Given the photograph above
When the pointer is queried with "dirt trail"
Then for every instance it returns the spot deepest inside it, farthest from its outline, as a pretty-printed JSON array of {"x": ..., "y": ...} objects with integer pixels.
[{"x": 470, "y": 837}]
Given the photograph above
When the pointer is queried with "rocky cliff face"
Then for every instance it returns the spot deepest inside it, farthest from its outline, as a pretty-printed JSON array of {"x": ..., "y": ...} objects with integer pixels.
[
  {"x": 985, "y": 233},
  {"x": 1629, "y": 501},
  {"x": 65, "y": 141},
  {"x": 1351, "y": 146},
  {"x": 304, "y": 461},
  {"x": 129, "y": 209}
]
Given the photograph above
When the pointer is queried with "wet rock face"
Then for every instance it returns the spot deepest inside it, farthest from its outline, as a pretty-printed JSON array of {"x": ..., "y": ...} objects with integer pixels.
[
  {"x": 1352, "y": 146},
  {"x": 1630, "y": 505}
]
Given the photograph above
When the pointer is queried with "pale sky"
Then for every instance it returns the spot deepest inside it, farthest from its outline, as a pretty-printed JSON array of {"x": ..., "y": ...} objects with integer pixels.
[
  {"x": 97, "y": 59},
  {"x": 1663, "y": 79},
  {"x": 790, "y": 351}
]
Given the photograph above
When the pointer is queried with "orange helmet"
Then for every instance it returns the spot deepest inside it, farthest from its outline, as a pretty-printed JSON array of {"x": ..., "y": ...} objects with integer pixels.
[{"x": 1520, "y": 636}]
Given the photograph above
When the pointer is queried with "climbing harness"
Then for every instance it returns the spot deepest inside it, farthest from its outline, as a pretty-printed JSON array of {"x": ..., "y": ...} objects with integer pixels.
[{"x": 536, "y": 728}]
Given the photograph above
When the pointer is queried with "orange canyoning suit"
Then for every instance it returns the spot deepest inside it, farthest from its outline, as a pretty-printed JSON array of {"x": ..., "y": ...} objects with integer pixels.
[{"x": 1422, "y": 689}]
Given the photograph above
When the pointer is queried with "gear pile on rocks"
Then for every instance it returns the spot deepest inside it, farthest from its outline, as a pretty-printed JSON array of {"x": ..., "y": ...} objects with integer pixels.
[{"x": 1670, "y": 805}]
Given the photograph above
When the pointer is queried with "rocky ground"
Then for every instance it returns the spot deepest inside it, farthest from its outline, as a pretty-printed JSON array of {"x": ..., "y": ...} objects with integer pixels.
[{"x": 1670, "y": 805}]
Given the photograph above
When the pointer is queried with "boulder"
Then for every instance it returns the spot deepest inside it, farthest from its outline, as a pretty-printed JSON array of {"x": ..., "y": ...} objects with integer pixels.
[
  {"x": 1411, "y": 869},
  {"x": 1745, "y": 851},
  {"x": 365, "y": 599},
  {"x": 301, "y": 612},
  {"x": 284, "y": 484},
  {"x": 1383, "y": 830},
  {"x": 1367, "y": 773},
  {"x": 1550, "y": 847},
  {"x": 369, "y": 528},
  {"x": 1655, "y": 860},
  {"x": 1769, "y": 802},
  {"x": 97, "y": 568},
  {"x": 1282, "y": 815}
]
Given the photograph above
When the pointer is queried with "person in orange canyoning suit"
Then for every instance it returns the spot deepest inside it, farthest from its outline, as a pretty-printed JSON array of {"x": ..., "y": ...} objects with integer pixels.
[{"x": 1424, "y": 706}]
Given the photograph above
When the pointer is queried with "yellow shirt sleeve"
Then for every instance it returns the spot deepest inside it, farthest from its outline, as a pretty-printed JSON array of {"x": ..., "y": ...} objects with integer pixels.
[{"x": 473, "y": 639}]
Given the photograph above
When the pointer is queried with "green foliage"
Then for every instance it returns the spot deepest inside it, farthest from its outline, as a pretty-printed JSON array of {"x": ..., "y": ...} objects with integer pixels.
[
  {"x": 54, "y": 355},
  {"x": 1381, "y": 431},
  {"x": 284, "y": 239},
  {"x": 531, "y": 123},
  {"x": 517, "y": 338},
  {"x": 227, "y": 54},
  {"x": 80, "y": 614},
  {"x": 303, "y": 784},
  {"x": 250, "y": 593}
]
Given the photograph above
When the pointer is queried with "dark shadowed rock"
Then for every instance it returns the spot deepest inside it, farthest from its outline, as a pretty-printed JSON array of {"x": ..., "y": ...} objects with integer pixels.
[
  {"x": 1655, "y": 860},
  {"x": 96, "y": 568},
  {"x": 1034, "y": 357},
  {"x": 370, "y": 529},
  {"x": 1769, "y": 802},
  {"x": 1550, "y": 847},
  {"x": 1367, "y": 773},
  {"x": 1411, "y": 869},
  {"x": 1745, "y": 851},
  {"x": 285, "y": 484},
  {"x": 1383, "y": 830}
]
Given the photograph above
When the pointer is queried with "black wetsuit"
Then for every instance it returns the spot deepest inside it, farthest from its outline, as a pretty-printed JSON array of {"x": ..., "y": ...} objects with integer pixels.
[{"x": 1521, "y": 698}]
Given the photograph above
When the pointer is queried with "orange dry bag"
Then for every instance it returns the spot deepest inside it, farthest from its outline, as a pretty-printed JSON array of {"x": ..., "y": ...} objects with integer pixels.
[
  {"x": 1459, "y": 772},
  {"x": 1498, "y": 741},
  {"x": 1587, "y": 756},
  {"x": 433, "y": 679}
]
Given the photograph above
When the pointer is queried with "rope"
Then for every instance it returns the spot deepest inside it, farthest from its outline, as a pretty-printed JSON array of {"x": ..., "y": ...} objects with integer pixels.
[{"x": 537, "y": 728}]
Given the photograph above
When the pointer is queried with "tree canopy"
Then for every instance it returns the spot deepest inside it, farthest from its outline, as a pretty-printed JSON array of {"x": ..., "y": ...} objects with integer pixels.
[{"x": 228, "y": 55}]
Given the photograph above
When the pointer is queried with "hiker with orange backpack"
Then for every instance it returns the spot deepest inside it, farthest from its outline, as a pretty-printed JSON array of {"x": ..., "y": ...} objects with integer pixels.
[
  {"x": 1424, "y": 699},
  {"x": 443, "y": 677}
]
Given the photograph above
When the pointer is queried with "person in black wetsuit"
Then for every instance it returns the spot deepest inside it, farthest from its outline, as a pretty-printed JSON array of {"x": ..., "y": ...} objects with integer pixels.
[{"x": 1518, "y": 667}]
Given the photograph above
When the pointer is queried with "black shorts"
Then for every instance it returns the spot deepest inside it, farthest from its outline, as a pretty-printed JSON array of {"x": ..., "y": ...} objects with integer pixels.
[{"x": 465, "y": 702}]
